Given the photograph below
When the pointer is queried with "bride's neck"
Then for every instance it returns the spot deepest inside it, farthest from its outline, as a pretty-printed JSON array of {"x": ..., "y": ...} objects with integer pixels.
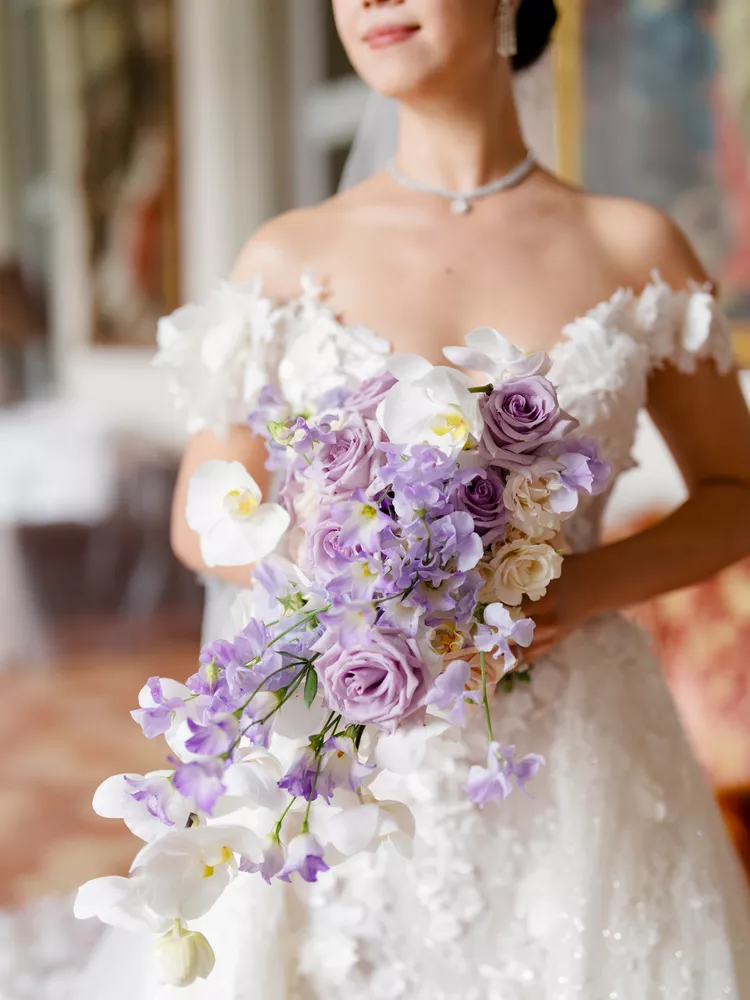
[{"x": 465, "y": 142}]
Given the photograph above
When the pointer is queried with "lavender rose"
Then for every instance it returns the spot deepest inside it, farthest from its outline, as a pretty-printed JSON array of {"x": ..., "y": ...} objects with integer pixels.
[
  {"x": 380, "y": 684},
  {"x": 349, "y": 460},
  {"x": 323, "y": 552},
  {"x": 370, "y": 395},
  {"x": 482, "y": 498},
  {"x": 521, "y": 419}
]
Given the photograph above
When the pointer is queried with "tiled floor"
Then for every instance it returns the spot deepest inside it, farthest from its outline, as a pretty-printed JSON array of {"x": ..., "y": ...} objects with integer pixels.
[{"x": 61, "y": 734}]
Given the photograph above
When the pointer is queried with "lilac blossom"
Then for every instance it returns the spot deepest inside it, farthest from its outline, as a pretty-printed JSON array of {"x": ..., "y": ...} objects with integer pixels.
[{"x": 494, "y": 783}]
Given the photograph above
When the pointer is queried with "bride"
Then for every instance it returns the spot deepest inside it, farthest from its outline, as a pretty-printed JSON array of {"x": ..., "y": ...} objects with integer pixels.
[{"x": 617, "y": 881}]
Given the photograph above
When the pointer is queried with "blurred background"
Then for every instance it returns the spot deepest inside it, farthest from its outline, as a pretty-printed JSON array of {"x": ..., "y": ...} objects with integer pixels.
[{"x": 141, "y": 142}]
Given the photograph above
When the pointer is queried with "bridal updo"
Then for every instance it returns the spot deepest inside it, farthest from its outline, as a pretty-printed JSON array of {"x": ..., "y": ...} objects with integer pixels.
[{"x": 535, "y": 22}]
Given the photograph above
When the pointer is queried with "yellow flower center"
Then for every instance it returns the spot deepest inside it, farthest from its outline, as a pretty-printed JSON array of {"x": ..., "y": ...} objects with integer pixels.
[
  {"x": 226, "y": 855},
  {"x": 369, "y": 512},
  {"x": 451, "y": 425},
  {"x": 241, "y": 504},
  {"x": 445, "y": 639}
]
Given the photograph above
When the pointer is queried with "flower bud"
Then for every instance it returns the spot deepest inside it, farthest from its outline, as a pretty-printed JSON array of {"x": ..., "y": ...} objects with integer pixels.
[{"x": 182, "y": 957}]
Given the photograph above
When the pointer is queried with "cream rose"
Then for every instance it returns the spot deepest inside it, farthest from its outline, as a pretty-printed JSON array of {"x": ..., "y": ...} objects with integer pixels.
[
  {"x": 528, "y": 497},
  {"x": 522, "y": 568}
]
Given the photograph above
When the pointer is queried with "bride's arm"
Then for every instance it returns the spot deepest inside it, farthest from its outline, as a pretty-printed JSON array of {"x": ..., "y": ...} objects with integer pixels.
[
  {"x": 239, "y": 445},
  {"x": 705, "y": 422},
  {"x": 270, "y": 253}
]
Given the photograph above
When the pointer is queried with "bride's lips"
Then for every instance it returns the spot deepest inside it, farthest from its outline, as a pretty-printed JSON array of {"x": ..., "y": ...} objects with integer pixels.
[{"x": 390, "y": 34}]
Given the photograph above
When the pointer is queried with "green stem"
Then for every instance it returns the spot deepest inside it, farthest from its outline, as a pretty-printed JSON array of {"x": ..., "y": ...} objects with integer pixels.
[
  {"x": 485, "y": 699},
  {"x": 305, "y": 822},
  {"x": 276, "y": 832}
]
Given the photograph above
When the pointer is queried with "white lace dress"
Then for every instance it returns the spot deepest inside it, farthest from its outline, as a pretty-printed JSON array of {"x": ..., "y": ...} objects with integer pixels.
[{"x": 617, "y": 881}]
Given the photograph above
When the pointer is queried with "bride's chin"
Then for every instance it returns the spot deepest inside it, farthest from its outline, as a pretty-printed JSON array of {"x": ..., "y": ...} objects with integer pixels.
[{"x": 401, "y": 78}]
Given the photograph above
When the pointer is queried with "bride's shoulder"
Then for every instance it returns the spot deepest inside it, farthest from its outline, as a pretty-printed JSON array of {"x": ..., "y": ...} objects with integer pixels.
[
  {"x": 287, "y": 246},
  {"x": 639, "y": 239}
]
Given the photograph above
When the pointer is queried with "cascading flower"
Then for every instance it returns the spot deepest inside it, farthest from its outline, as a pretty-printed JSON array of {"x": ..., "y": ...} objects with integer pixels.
[{"x": 419, "y": 509}]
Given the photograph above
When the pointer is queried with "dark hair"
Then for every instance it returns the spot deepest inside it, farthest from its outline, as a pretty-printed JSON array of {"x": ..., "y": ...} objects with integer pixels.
[{"x": 535, "y": 22}]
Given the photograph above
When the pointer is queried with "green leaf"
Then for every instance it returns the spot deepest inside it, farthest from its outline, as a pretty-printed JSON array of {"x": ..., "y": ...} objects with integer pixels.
[{"x": 311, "y": 686}]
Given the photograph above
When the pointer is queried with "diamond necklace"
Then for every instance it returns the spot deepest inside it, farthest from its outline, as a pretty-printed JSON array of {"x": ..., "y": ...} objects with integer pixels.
[{"x": 462, "y": 201}]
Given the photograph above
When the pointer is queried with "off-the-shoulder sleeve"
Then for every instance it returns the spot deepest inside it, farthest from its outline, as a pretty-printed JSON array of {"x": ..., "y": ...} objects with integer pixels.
[
  {"x": 684, "y": 327},
  {"x": 220, "y": 354}
]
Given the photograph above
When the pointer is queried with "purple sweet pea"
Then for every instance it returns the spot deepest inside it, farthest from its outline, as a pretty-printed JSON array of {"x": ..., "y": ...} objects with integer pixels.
[
  {"x": 352, "y": 620},
  {"x": 483, "y": 499},
  {"x": 202, "y": 781},
  {"x": 361, "y": 522},
  {"x": 271, "y": 863},
  {"x": 342, "y": 767},
  {"x": 299, "y": 780},
  {"x": 493, "y": 783},
  {"x": 156, "y": 792},
  {"x": 349, "y": 460},
  {"x": 583, "y": 468},
  {"x": 450, "y": 695},
  {"x": 521, "y": 419},
  {"x": 370, "y": 395},
  {"x": 380, "y": 684},
  {"x": 156, "y": 720},
  {"x": 305, "y": 857},
  {"x": 216, "y": 738},
  {"x": 499, "y": 630}
]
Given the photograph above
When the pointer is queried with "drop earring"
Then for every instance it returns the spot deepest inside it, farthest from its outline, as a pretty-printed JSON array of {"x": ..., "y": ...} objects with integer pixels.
[{"x": 507, "y": 41}]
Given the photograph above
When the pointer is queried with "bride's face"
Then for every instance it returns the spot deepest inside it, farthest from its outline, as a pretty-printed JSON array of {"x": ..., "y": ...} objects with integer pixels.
[{"x": 414, "y": 48}]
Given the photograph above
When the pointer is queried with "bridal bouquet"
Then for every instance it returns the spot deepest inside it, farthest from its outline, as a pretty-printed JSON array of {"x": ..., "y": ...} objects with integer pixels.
[{"x": 416, "y": 515}]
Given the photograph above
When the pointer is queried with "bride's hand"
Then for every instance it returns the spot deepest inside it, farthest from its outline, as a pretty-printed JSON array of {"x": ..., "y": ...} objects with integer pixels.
[{"x": 565, "y": 608}]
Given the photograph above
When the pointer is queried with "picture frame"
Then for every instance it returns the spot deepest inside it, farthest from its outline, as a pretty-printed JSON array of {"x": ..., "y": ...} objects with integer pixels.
[
  {"x": 126, "y": 59},
  {"x": 642, "y": 111}
]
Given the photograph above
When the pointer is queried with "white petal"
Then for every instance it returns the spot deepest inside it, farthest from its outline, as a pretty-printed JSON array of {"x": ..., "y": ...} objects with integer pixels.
[
  {"x": 473, "y": 360},
  {"x": 408, "y": 367},
  {"x": 404, "y": 750},
  {"x": 112, "y": 799},
  {"x": 265, "y": 529},
  {"x": 115, "y": 901},
  {"x": 207, "y": 488},
  {"x": 353, "y": 830}
]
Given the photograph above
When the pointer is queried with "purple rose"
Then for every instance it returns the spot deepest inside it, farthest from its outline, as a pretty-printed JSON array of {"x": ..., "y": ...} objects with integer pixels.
[
  {"x": 380, "y": 684},
  {"x": 348, "y": 461},
  {"x": 370, "y": 395},
  {"x": 482, "y": 497},
  {"x": 324, "y": 552},
  {"x": 521, "y": 419}
]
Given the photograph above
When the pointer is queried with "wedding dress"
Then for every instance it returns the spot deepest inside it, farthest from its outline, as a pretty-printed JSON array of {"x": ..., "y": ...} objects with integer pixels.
[{"x": 617, "y": 881}]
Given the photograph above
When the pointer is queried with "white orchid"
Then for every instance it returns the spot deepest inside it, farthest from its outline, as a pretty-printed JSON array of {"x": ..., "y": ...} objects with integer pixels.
[
  {"x": 225, "y": 508},
  {"x": 363, "y": 823},
  {"x": 429, "y": 405},
  {"x": 181, "y": 957},
  {"x": 116, "y": 901},
  {"x": 149, "y": 805},
  {"x": 489, "y": 352}
]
